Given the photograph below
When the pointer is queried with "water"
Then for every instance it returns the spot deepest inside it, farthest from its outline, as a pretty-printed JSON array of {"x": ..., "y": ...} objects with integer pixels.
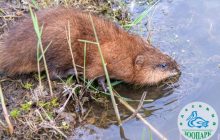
[{"x": 189, "y": 31}]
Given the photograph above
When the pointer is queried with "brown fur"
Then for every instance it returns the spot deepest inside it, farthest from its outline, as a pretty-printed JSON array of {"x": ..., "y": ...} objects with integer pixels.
[{"x": 128, "y": 57}]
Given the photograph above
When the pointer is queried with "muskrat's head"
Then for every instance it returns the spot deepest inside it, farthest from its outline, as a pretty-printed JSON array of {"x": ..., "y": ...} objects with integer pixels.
[{"x": 152, "y": 66}]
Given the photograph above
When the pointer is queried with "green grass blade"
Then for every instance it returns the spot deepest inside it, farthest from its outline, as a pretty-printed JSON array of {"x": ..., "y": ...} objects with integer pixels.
[
  {"x": 84, "y": 64},
  {"x": 106, "y": 73},
  {"x": 140, "y": 17}
]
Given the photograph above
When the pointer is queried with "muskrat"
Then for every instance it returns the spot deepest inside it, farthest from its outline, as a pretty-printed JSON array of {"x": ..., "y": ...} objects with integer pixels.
[{"x": 128, "y": 57}]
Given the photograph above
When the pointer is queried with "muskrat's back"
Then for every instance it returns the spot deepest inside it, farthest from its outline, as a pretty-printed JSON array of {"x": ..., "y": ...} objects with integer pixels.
[
  {"x": 128, "y": 57},
  {"x": 18, "y": 52}
]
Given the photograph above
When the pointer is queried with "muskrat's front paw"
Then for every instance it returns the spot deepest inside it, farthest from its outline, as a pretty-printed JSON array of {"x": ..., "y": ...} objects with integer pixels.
[
  {"x": 101, "y": 81},
  {"x": 69, "y": 72},
  {"x": 61, "y": 74}
]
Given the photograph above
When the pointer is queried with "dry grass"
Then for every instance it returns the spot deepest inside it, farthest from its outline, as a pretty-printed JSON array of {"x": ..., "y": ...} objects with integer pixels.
[{"x": 5, "y": 112}]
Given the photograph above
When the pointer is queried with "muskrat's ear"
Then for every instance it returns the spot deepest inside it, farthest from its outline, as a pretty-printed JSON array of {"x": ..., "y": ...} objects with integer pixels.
[{"x": 139, "y": 61}]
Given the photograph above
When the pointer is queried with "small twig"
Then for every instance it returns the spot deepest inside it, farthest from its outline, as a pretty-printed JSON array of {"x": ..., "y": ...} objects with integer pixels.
[
  {"x": 3, "y": 124},
  {"x": 138, "y": 108},
  {"x": 48, "y": 125},
  {"x": 68, "y": 36},
  {"x": 45, "y": 124},
  {"x": 30, "y": 124},
  {"x": 151, "y": 127},
  {"x": 64, "y": 105},
  {"x": 78, "y": 99},
  {"x": 38, "y": 112},
  {"x": 84, "y": 65},
  {"x": 10, "y": 126},
  {"x": 87, "y": 113},
  {"x": 87, "y": 41},
  {"x": 72, "y": 93},
  {"x": 10, "y": 16},
  {"x": 122, "y": 133}
]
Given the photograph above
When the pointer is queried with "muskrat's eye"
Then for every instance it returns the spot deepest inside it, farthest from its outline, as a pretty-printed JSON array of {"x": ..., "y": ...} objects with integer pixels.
[{"x": 163, "y": 65}]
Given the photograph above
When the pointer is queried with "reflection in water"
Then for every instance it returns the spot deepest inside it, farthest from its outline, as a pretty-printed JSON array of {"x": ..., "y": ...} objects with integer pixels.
[
  {"x": 189, "y": 31},
  {"x": 161, "y": 95}
]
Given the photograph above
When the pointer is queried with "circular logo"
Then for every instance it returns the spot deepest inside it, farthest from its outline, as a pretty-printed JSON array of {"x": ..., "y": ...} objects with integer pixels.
[{"x": 197, "y": 121}]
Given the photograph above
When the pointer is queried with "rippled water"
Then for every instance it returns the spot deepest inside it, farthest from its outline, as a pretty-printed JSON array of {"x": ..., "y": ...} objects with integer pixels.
[{"x": 189, "y": 31}]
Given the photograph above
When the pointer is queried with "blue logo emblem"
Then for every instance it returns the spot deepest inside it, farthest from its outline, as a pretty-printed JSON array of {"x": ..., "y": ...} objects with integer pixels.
[{"x": 195, "y": 121}]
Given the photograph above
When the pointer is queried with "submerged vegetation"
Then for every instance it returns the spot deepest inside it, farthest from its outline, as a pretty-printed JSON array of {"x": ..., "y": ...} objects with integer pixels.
[{"x": 41, "y": 108}]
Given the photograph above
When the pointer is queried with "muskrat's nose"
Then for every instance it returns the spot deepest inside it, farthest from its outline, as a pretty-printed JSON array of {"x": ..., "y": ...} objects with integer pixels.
[{"x": 176, "y": 72}]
